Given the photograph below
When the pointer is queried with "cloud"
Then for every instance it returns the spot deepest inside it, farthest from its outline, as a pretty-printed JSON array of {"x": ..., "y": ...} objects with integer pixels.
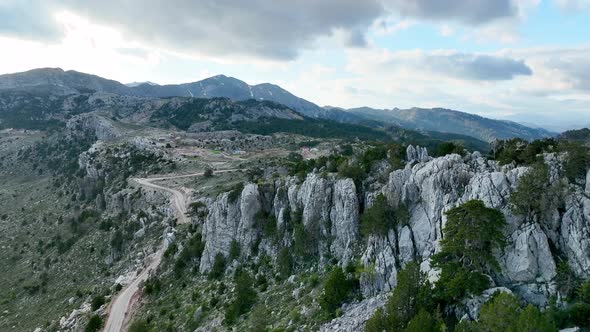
[
  {"x": 573, "y": 5},
  {"x": 270, "y": 29},
  {"x": 261, "y": 28},
  {"x": 30, "y": 19},
  {"x": 477, "y": 67},
  {"x": 473, "y": 12},
  {"x": 558, "y": 70},
  {"x": 464, "y": 66}
]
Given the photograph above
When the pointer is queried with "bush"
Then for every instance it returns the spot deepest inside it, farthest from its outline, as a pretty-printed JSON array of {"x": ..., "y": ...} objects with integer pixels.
[
  {"x": 244, "y": 299},
  {"x": 411, "y": 295},
  {"x": 285, "y": 263},
  {"x": 372, "y": 155},
  {"x": 152, "y": 285},
  {"x": 529, "y": 197},
  {"x": 471, "y": 234},
  {"x": 500, "y": 313},
  {"x": 267, "y": 224},
  {"x": 304, "y": 241},
  {"x": 378, "y": 219},
  {"x": 139, "y": 326},
  {"x": 208, "y": 173},
  {"x": 199, "y": 209},
  {"x": 235, "y": 192},
  {"x": 352, "y": 171},
  {"x": 579, "y": 314},
  {"x": 425, "y": 322},
  {"x": 584, "y": 292},
  {"x": 94, "y": 324},
  {"x": 218, "y": 268},
  {"x": 234, "y": 250},
  {"x": 577, "y": 161},
  {"x": 446, "y": 148},
  {"x": 531, "y": 319},
  {"x": 97, "y": 302},
  {"x": 260, "y": 319},
  {"x": 337, "y": 290}
]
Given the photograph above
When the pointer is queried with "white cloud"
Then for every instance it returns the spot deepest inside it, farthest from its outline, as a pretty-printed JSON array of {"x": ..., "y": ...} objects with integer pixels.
[{"x": 573, "y": 5}]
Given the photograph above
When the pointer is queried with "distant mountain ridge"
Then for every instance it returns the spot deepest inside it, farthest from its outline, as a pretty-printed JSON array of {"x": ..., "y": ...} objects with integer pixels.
[
  {"x": 217, "y": 86},
  {"x": 450, "y": 121},
  {"x": 441, "y": 120}
]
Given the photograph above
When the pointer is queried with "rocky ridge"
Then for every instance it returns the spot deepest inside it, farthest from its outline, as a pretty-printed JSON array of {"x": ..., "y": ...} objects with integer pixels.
[{"x": 330, "y": 208}]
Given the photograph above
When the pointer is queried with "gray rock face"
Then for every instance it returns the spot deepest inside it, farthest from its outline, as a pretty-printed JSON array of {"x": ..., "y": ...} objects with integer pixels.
[
  {"x": 379, "y": 262},
  {"x": 417, "y": 153},
  {"x": 588, "y": 183},
  {"x": 574, "y": 238},
  {"x": 228, "y": 221},
  {"x": 102, "y": 128},
  {"x": 329, "y": 209},
  {"x": 219, "y": 229},
  {"x": 344, "y": 216}
]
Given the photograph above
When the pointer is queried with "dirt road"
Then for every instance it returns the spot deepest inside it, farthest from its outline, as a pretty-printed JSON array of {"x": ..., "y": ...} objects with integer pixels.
[{"x": 121, "y": 304}]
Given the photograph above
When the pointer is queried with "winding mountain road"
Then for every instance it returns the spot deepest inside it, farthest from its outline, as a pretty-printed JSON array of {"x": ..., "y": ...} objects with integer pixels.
[{"x": 122, "y": 303}]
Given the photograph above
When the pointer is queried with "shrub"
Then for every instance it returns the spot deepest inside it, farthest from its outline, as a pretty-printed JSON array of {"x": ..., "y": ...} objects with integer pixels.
[
  {"x": 304, "y": 241},
  {"x": 139, "y": 326},
  {"x": 260, "y": 319},
  {"x": 579, "y": 314},
  {"x": 337, "y": 289},
  {"x": 411, "y": 295},
  {"x": 199, "y": 209},
  {"x": 97, "y": 302},
  {"x": 378, "y": 219},
  {"x": 372, "y": 155},
  {"x": 531, "y": 319},
  {"x": 500, "y": 313},
  {"x": 218, "y": 268},
  {"x": 352, "y": 171},
  {"x": 576, "y": 162},
  {"x": 94, "y": 324},
  {"x": 234, "y": 250},
  {"x": 235, "y": 192},
  {"x": 529, "y": 196},
  {"x": 285, "y": 263},
  {"x": 471, "y": 234},
  {"x": 446, "y": 148},
  {"x": 425, "y": 322},
  {"x": 208, "y": 173},
  {"x": 152, "y": 285},
  {"x": 584, "y": 292},
  {"x": 244, "y": 299},
  {"x": 267, "y": 224}
]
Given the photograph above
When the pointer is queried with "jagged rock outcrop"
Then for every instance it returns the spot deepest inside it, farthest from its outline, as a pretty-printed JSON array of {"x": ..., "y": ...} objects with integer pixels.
[
  {"x": 344, "y": 216},
  {"x": 379, "y": 262},
  {"x": 329, "y": 208},
  {"x": 417, "y": 153},
  {"x": 101, "y": 127}
]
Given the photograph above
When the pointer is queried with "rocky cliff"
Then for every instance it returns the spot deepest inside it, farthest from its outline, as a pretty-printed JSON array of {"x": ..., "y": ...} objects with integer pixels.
[{"x": 329, "y": 208}]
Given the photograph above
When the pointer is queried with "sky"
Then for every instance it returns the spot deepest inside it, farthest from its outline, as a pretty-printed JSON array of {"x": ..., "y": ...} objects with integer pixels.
[{"x": 520, "y": 60}]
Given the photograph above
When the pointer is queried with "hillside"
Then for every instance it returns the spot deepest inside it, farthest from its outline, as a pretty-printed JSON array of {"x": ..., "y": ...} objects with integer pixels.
[{"x": 449, "y": 121}]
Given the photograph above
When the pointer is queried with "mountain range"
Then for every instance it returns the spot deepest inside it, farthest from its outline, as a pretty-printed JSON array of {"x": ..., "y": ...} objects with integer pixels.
[{"x": 435, "y": 119}]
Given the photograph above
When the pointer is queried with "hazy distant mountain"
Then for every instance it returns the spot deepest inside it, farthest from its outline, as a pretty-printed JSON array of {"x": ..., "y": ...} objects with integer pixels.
[
  {"x": 134, "y": 84},
  {"x": 69, "y": 81},
  {"x": 217, "y": 86},
  {"x": 449, "y": 121},
  {"x": 63, "y": 82}
]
